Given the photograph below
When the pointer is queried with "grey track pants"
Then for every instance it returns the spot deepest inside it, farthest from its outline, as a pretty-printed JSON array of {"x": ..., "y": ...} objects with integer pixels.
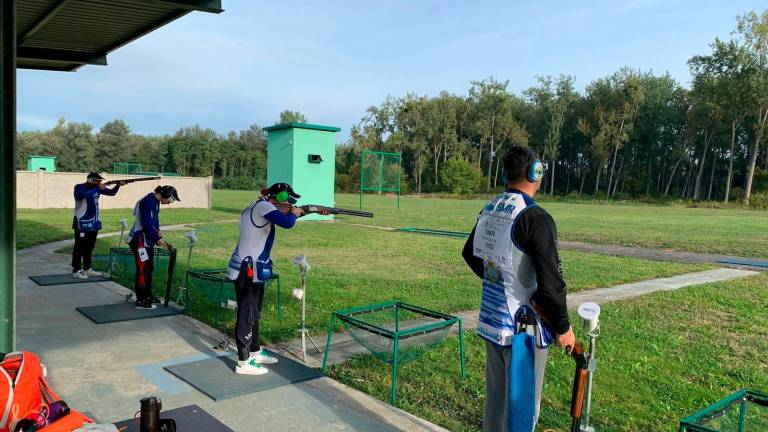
[{"x": 496, "y": 385}]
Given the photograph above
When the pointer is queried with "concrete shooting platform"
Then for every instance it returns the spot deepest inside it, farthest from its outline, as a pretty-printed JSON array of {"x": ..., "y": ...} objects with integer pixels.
[{"x": 103, "y": 370}]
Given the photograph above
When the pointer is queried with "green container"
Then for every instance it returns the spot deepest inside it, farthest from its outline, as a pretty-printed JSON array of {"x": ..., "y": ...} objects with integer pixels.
[
  {"x": 304, "y": 156},
  {"x": 45, "y": 163}
]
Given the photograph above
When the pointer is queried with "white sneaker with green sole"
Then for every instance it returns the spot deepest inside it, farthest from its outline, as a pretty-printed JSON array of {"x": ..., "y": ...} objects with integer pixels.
[
  {"x": 250, "y": 367},
  {"x": 262, "y": 357}
]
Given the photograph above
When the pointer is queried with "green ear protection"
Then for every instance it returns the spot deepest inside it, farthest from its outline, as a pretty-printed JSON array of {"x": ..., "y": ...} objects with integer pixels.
[{"x": 282, "y": 196}]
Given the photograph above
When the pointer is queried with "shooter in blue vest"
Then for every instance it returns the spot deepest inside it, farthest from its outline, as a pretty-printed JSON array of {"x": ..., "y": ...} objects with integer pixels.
[
  {"x": 513, "y": 249},
  {"x": 86, "y": 223}
]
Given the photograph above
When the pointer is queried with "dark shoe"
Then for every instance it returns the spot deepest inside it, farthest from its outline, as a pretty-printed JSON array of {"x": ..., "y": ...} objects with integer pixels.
[
  {"x": 144, "y": 304},
  {"x": 156, "y": 300}
]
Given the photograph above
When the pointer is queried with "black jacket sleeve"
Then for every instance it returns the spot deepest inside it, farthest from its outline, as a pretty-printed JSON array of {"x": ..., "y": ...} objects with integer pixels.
[
  {"x": 536, "y": 233},
  {"x": 474, "y": 263}
]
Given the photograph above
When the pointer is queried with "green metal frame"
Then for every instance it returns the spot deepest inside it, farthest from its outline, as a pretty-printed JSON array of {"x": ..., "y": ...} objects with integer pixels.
[
  {"x": 381, "y": 174},
  {"x": 693, "y": 423},
  {"x": 218, "y": 275},
  {"x": 398, "y": 335}
]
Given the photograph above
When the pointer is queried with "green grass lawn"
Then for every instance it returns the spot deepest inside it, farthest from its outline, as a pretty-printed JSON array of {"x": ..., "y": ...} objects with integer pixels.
[
  {"x": 661, "y": 357},
  {"x": 355, "y": 266},
  {"x": 35, "y": 227},
  {"x": 727, "y": 231}
]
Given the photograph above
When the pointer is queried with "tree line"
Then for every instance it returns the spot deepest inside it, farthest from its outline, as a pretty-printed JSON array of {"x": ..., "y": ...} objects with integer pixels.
[
  {"x": 629, "y": 134},
  {"x": 237, "y": 160}
]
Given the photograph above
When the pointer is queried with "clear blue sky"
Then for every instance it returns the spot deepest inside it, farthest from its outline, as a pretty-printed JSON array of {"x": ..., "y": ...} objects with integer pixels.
[{"x": 332, "y": 59}]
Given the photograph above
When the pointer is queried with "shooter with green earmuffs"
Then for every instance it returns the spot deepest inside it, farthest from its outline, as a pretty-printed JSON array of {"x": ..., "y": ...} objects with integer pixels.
[
  {"x": 513, "y": 249},
  {"x": 251, "y": 266},
  {"x": 144, "y": 235}
]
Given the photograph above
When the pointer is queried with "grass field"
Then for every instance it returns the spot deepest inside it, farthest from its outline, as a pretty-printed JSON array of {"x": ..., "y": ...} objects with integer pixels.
[
  {"x": 661, "y": 357},
  {"x": 35, "y": 227},
  {"x": 727, "y": 231},
  {"x": 355, "y": 266}
]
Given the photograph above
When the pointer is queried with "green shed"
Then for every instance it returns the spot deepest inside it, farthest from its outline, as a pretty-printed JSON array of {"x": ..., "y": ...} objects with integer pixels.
[
  {"x": 304, "y": 156},
  {"x": 45, "y": 163}
]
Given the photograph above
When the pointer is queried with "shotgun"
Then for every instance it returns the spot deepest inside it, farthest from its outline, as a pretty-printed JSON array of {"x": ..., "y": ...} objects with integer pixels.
[
  {"x": 579, "y": 385},
  {"x": 314, "y": 208},
  {"x": 133, "y": 180}
]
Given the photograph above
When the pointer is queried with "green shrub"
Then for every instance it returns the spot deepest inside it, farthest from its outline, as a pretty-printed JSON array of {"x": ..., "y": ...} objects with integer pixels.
[
  {"x": 737, "y": 193},
  {"x": 759, "y": 201},
  {"x": 459, "y": 177}
]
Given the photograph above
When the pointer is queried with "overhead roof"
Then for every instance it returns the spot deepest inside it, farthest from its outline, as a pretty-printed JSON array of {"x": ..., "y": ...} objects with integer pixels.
[{"x": 64, "y": 35}]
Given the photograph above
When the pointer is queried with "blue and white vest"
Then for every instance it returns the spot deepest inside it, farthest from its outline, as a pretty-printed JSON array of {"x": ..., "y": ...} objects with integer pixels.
[{"x": 510, "y": 278}]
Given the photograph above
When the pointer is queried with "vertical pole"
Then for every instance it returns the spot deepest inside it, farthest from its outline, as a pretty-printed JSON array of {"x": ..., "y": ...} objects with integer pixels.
[
  {"x": 381, "y": 172},
  {"x": 585, "y": 421},
  {"x": 7, "y": 175},
  {"x": 399, "y": 169},
  {"x": 304, "y": 316},
  {"x": 328, "y": 341},
  {"x": 362, "y": 170},
  {"x": 394, "y": 370},
  {"x": 461, "y": 347},
  {"x": 742, "y": 415}
]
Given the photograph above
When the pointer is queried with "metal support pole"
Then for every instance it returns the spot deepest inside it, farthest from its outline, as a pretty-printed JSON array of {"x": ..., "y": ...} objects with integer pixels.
[
  {"x": 461, "y": 348},
  {"x": 7, "y": 175},
  {"x": 393, "y": 390},
  {"x": 304, "y": 316},
  {"x": 328, "y": 342},
  {"x": 585, "y": 427}
]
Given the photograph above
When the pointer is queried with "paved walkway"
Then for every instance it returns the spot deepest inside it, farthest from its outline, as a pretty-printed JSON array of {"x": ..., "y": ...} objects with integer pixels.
[
  {"x": 660, "y": 254},
  {"x": 104, "y": 370}
]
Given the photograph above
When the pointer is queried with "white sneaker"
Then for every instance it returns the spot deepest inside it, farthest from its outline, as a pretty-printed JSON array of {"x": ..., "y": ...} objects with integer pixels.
[
  {"x": 262, "y": 357},
  {"x": 92, "y": 272},
  {"x": 250, "y": 367},
  {"x": 79, "y": 275}
]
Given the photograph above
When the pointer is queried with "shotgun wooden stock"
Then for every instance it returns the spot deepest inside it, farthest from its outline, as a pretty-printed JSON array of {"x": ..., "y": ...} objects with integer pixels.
[{"x": 579, "y": 385}]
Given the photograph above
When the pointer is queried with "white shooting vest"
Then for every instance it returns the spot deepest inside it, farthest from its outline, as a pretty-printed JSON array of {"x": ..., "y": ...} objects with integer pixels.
[{"x": 510, "y": 278}]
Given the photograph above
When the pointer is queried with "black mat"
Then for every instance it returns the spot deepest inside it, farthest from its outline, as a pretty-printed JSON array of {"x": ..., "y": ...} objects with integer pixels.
[
  {"x": 216, "y": 377},
  {"x": 188, "y": 419},
  {"x": 62, "y": 279},
  {"x": 124, "y": 311}
]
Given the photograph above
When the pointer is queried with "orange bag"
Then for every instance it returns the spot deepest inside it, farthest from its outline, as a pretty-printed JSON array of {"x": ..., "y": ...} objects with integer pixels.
[{"x": 25, "y": 394}]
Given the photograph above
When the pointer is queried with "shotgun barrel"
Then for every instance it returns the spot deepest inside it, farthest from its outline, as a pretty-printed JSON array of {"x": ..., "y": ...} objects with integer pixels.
[
  {"x": 133, "y": 180},
  {"x": 312, "y": 208}
]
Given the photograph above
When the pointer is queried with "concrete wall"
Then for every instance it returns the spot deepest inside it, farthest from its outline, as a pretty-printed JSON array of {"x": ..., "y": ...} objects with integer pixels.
[{"x": 41, "y": 189}]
